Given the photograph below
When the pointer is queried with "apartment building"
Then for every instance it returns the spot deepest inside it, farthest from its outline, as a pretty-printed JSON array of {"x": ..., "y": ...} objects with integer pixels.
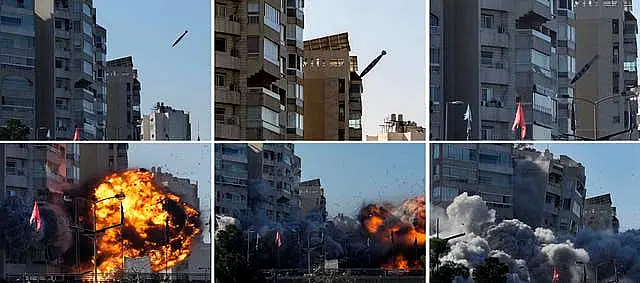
[
  {"x": 312, "y": 200},
  {"x": 68, "y": 90},
  {"x": 523, "y": 58},
  {"x": 259, "y": 70},
  {"x": 395, "y": 128},
  {"x": 166, "y": 124},
  {"x": 231, "y": 180},
  {"x": 477, "y": 169},
  {"x": 17, "y": 65},
  {"x": 123, "y": 98},
  {"x": 333, "y": 90},
  {"x": 607, "y": 29},
  {"x": 97, "y": 160},
  {"x": 551, "y": 191},
  {"x": 274, "y": 174},
  {"x": 600, "y": 215},
  {"x": 34, "y": 173}
]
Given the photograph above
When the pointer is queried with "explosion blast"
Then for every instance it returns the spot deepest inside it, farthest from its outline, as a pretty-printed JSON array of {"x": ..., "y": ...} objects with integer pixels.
[
  {"x": 401, "y": 227},
  {"x": 157, "y": 223}
]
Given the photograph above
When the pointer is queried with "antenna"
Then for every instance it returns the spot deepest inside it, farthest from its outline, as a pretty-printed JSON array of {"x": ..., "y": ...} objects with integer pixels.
[{"x": 198, "y": 129}]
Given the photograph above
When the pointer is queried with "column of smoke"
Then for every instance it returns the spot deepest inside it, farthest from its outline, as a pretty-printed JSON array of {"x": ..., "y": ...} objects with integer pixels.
[
  {"x": 18, "y": 235},
  {"x": 338, "y": 238},
  {"x": 532, "y": 253}
]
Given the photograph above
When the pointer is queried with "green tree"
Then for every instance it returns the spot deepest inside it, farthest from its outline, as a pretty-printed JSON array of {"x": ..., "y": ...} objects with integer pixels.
[
  {"x": 492, "y": 271},
  {"x": 231, "y": 262},
  {"x": 446, "y": 272},
  {"x": 14, "y": 130}
]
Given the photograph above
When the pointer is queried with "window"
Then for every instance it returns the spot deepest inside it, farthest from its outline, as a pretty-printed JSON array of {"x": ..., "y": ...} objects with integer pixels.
[
  {"x": 221, "y": 11},
  {"x": 434, "y": 21},
  {"x": 271, "y": 51},
  {"x": 486, "y": 21},
  {"x": 486, "y": 94},
  {"x": 86, "y": 10},
  {"x": 253, "y": 8},
  {"x": 341, "y": 112},
  {"x": 220, "y": 80},
  {"x": 221, "y": 44},
  {"x": 540, "y": 59},
  {"x": 615, "y": 26},
  {"x": 616, "y": 55},
  {"x": 271, "y": 17},
  {"x": 253, "y": 46},
  {"x": 87, "y": 67},
  {"x": 615, "y": 76},
  {"x": 295, "y": 120},
  {"x": 10, "y": 21},
  {"x": 434, "y": 93},
  {"x": 486, "y": 58},
  {"x": 87, "y": 28},
  {"x": 434, "y": 56},
  {"x": 341, "y": 86}
]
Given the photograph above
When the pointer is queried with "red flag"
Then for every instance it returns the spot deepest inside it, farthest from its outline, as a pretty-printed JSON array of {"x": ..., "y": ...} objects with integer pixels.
[
  {"x": 278, "y": 240},
  {"x": 76, "y": 136},
  {"x": 556, "y": 276},
  {"x": 35, "y": 216},
  {"x": 519, "y": 122}
]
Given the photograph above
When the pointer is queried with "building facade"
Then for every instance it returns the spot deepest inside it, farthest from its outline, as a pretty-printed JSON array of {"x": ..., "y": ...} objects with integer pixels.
[
  {"x": 477, "y": 169},
  {"x": 17, "y": 65},
  {"x": 312, "y": 200},
  {"x": 274, "y": 174},
  {"x": 35, "y": 173},
  {"x": 67, "y": 79},
  {"x": 555, "y": 184},
  {"x": 333, "y": 90},
  {"x": 259, "y": 70},
  {"x": 600, "y": 215},
  {"x": 607, "y": 29},
  {"x": 123, "y": 100},
  {"x": 231, "y": 180},
  {"x": 520, "y": 46},
  {"x": 97, "y": 160},
  {"x": 397, "y": 129},
  {"x": 166, "y": 124}
]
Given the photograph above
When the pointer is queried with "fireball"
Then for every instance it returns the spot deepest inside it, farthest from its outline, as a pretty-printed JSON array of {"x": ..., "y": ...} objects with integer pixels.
[
  {"x": 156, "y": 223},
  {"x": 403, "y": 227}
]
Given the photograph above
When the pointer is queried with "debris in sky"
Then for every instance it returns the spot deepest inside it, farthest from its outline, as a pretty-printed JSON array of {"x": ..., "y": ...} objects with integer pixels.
[{"x": 179, "y": 38}]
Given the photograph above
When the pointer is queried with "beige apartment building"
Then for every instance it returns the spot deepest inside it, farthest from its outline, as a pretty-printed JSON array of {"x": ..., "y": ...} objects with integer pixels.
[
  {"x": 258, "y": 70},
  {"x": 123, "y": 113},
  {"x": 395, "y": 128},
  {"x": 312, "y": 199},
  {"x": 607, "y": 29},
  {"x": 600, "y": 215},
  {"x": 333, "y": 106}
]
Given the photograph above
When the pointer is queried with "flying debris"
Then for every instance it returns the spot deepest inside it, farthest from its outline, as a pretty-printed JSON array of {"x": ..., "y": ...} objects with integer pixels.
[{"x": 179, "y": 39}]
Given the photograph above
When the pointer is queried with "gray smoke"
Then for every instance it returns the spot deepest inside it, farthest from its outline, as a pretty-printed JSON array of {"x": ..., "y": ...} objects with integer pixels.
[
  {"x": 529, "y": 172},
  {"x": 17, "y": 234},
  {"x": 530, "y": 254}
]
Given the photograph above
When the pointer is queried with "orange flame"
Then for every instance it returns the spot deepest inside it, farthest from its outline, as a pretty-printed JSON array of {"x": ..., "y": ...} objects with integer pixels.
[
  {"x": 404, "y": 225},
  {"x": 157, "y": 224}
]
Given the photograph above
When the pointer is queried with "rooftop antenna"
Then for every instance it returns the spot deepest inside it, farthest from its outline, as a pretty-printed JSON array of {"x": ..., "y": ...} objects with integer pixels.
[{"x": 198, "y": 129}]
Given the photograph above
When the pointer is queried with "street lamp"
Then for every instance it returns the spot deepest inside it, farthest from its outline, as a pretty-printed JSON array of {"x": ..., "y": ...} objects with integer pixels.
[
  {"x": 119, "y": 196},
  {"x": 595, "y": 104},
  {"x": 446, "y": 116}
]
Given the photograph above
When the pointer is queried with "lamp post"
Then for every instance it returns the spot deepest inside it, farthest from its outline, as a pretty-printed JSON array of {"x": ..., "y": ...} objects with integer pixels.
[
  {"x": 119, "y": 196},
  {"x": 446, "y": 116},
  {"x": 595, "y": 107}
]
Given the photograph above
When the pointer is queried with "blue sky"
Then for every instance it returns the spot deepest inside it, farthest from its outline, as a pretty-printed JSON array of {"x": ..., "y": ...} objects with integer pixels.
[
  {"x": 397, "y": 83},
  {"x": 354, "y": 173},
  {"x": 610, "y": 168},
  {"x": 191, "y": 161},
  {"x": 180, "y": 76}
]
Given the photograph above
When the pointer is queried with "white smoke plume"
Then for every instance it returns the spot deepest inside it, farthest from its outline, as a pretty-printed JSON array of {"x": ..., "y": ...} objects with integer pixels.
[{"x": 530, "y": 254}]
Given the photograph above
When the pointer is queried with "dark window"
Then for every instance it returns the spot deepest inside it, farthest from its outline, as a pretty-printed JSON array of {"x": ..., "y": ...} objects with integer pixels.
[
  {"x": 566, "y": 204},
  {"x": 341, "y": 86},
  {"x": 615, "y": 26},
  {"x": 341, "y": 112},
  {"x": 252, "y": 45},
  {"x": 221, "y": 44},
  {"x": 128, "y": 86}
]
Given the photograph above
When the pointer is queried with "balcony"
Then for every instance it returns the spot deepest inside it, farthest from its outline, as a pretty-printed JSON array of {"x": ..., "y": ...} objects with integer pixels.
[
  {"x": 496, "y": 114},
  {"x": 226, "y": 61},
  {"x": 494, "y": 37},
  {"x": 224, "y": 25},
  {"x": 494, "y": 75},
  {"x": 227, "y": 127},
  {"x": 536, "y": 11},
  {"x": 295, "y": 72}
]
